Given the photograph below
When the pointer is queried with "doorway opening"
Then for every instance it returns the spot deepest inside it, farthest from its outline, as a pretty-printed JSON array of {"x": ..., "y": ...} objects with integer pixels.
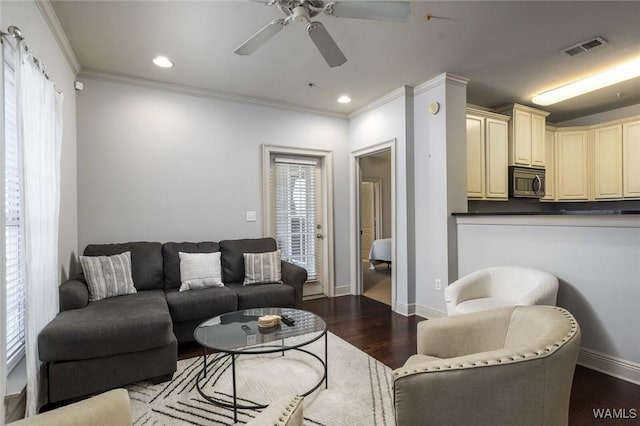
[{"x": 375, "y": 220}]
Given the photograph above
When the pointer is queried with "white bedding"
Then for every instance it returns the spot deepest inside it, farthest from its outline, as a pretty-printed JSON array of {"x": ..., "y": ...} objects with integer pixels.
[{"x": 380, "y": 252}]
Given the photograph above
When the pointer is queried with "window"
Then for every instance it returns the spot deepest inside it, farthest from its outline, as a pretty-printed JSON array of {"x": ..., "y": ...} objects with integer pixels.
[
  {"x": 13, "y": 227},
  {"x": 296, "y": 188}
]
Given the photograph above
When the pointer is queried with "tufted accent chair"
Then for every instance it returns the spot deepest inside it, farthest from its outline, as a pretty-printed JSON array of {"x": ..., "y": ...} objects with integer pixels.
[
  {"x": 507, "y": 366},
  {"x": 500, "y": 286}
]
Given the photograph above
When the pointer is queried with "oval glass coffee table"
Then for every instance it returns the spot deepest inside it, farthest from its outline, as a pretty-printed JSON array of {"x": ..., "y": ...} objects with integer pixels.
[{"x": 237, "y": 333}]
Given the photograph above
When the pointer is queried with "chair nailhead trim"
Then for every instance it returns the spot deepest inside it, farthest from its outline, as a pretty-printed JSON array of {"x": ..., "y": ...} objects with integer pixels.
[{"x": 535, "y": 354}]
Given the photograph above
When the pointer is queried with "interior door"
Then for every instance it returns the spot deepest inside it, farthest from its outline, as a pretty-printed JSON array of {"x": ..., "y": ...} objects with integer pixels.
[
  {"x": 297, "y": 218},
  {"x": 367, "y": 220}
]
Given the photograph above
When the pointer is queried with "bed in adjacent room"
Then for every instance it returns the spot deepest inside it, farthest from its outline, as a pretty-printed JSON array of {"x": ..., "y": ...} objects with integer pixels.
[{"x": 380, "y": 252}]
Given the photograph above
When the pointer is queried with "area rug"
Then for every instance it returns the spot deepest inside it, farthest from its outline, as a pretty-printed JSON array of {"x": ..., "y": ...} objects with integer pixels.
[{"x": 359, "y": 391}]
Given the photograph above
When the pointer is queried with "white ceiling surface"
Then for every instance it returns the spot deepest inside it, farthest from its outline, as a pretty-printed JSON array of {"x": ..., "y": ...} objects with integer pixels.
[{"x": 509, "y": 50}]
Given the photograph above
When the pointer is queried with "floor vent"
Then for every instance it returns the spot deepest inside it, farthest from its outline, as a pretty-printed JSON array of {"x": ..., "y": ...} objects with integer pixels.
[{"x": 584, "y": 46}]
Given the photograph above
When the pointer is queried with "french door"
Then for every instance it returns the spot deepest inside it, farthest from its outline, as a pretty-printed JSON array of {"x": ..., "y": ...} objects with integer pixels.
[{"x": 297, "y": 221}]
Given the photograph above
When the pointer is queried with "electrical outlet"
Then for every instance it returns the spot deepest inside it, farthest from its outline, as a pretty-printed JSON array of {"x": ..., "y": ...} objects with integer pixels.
[
  {"x": 438, "y": 285},
  {"x": 251, "y": 216}
]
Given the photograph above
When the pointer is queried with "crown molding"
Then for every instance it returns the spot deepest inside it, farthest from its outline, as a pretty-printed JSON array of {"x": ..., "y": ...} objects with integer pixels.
[
  {"x": 50, "y": 17},
  {"x": 203, "y": 93},
  {"x": 391, "y": 96},
  {"x": 444, "y": 78}
]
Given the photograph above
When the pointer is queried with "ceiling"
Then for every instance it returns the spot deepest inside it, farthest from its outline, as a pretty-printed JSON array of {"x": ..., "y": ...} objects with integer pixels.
[{"x": 509, "y": 50}]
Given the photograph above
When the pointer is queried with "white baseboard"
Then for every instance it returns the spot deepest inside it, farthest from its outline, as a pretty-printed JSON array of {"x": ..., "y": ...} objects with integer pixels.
[
  {"x": 611, "y": 365},
  {"x": 342, "y": 291},
  {"x": 406, "y": 310},
  {"x": 429, "y": 313},
  {"x": 419, "y": 310},
  {"x": 313, "y": 297}
]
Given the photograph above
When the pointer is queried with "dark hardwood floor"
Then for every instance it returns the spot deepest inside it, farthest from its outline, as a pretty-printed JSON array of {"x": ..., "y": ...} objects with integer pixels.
[{"x": 391, "y": 338}]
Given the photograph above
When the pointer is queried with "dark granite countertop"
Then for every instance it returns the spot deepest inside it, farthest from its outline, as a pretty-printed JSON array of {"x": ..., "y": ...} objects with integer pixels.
[{"x": 550, "y": 213}]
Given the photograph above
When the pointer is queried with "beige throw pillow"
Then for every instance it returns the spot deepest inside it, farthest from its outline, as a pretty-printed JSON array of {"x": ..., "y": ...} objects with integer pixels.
[
  {"x": 200, "y": 270},
  {"x": 108, "y": 276},
  {"x": 262, "y": 268}
]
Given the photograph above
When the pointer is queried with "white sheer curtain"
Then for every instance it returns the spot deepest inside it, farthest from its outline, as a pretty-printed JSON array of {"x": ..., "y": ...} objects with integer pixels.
[
  {"x": 40, "y": 139},
  {"x": 3, "y": 288}
]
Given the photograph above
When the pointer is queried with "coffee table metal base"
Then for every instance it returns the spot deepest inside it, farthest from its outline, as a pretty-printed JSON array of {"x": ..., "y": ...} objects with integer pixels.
[{"x": 235, "y": 406}]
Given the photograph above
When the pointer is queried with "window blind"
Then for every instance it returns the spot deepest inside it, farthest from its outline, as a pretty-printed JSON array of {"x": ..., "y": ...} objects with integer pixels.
[
  {"x": 13, "y": 227},
  {"x": 295, "y": 186}
]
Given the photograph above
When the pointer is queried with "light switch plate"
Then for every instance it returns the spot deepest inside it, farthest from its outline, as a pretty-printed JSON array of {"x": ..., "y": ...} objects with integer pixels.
[{"x": 251, "y": 216}]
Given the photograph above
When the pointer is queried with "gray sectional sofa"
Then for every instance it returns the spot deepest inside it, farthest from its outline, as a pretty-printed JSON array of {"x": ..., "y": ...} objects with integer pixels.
[{"x": 95, "y": 346}]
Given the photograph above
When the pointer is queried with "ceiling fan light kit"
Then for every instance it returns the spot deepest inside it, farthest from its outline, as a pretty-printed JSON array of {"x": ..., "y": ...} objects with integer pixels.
[
  {"x": 300, "y": 15},
  {"x": 302, "y": 11}
]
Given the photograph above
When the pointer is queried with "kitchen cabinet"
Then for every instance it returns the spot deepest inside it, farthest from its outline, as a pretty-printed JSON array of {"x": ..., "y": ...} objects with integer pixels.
[
  {"x": 475, "y": 157},
  {"x": 550, "y": 164},
  {"x": 607, "y": 162},
  {"x": 487, "y": 151},
  {"x": 572, "y": 161},
  {"x": 538, "y": 140},
  {"x": 631, "y": 159},
  {"x": 526, "y": 136}
]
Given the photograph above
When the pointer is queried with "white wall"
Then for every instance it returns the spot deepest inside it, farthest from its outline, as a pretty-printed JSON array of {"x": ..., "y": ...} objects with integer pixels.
[
  {"x": 162, "y": 166},
  {"x": 378, "y": 166},
  {"x": 440, "y": 187},
  {"x": 38, "y": 36},
  {"x": 393, "y": 120},
  {"x": 596, "y": 258}
]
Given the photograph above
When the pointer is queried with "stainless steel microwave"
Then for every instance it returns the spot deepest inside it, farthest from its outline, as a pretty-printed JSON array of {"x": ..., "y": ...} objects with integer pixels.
[{"x": 526, "y": 182}]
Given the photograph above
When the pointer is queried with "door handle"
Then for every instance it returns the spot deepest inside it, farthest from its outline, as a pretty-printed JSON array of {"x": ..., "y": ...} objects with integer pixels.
[{"x": 319, "y": 236}]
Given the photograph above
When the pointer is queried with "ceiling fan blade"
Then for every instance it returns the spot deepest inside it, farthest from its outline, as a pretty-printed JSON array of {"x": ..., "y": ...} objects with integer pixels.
[
  {"x": 395, "y": 11},
  {"x": 326, "y": 45},
  {"x": 260, "y": 38}
]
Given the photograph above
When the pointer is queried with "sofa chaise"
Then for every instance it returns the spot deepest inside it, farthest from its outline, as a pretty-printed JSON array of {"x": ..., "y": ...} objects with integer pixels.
[{"x": 95, "y": 346}]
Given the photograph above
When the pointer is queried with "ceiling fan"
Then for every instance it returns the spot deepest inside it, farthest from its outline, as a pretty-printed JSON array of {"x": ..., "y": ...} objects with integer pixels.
[{"x": 302, "y": 11}]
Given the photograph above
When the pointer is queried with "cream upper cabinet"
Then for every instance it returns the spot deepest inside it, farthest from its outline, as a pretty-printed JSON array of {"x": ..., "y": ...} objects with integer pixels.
[
  {"x": 550, "y": 164},
  {"x": 537, "y": 140},
  {"x": 631, "y": 156},
  {"x": 496, "y": 149},
  {"x": 487, "y": 149},
  {"x": 572, "y": 160},
  {"x": 521, "y": 146},
  {"x": 526, "y": 136},
  {"x": 607, "y": 162},
  {"x": 475, "y": 157}
]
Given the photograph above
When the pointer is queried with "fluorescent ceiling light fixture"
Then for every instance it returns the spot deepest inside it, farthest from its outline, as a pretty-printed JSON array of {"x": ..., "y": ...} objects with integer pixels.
[
  {"x": 623, "y": 72},
  {"x": 344, "y": 99},
  {"x": 162, "y": 62}
]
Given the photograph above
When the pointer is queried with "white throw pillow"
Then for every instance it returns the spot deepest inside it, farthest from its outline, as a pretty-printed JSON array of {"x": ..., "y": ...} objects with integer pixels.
[
  {"x": 262, "y": 268},
  {"x": 108, "y": 276},
  {"x": 200, "y": 270}
]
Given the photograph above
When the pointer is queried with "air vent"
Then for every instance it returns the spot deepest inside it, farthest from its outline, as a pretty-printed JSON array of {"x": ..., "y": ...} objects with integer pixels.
[{"x": 584, "y": 46}]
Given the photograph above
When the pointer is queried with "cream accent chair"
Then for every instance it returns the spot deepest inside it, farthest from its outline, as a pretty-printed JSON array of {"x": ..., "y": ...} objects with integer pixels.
[
  {"x": 286, "y": 411},
  {"x": 505, "y": 366},
  {"x": 111, "y": 408},
  {"x": 500, "y": 286}
]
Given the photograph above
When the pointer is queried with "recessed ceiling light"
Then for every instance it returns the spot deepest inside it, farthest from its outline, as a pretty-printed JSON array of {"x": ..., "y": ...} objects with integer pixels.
[
  {"x": 623, "y": 72},
  {"x": 162, "y": 62},
  {"x": 344, "y": 99}
]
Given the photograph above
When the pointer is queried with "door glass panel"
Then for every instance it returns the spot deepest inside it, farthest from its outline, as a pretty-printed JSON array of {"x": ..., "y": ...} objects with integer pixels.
[{"x": 295, "y": 215}]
